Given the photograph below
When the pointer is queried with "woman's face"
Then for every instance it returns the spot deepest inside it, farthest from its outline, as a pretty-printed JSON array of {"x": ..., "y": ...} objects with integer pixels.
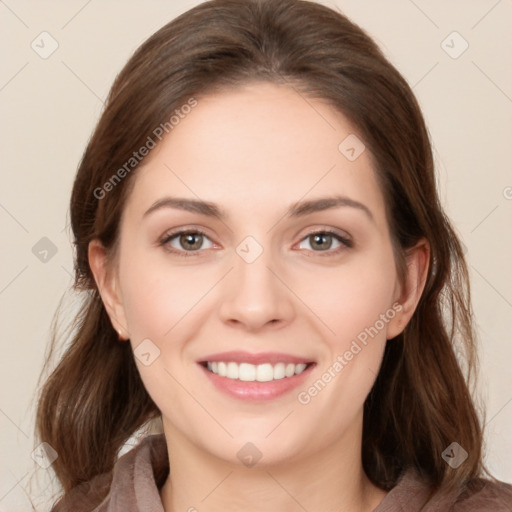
[{"x": 292, "y": 272}]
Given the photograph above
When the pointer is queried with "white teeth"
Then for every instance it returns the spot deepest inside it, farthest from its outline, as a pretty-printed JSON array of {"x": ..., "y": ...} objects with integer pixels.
[
  {"x": 279, "y": 371},
  {"x": 232, "y": 371},
  {"x": 222, "y": 369},
  {"x": 289, "y": 371},
  {"x": 299, "y": 368},
  {"x": 250, "y": 372},
  {"x": 246, "y": 372},
  {"x": 264, "y": 372}
]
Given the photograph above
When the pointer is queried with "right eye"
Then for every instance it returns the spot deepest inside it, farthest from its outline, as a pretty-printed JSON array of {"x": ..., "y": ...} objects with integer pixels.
[{"x": 185, "y": 241}]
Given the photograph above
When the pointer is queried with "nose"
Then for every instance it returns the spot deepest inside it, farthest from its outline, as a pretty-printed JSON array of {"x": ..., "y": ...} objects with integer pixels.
[{"x": 256, "y": 295}]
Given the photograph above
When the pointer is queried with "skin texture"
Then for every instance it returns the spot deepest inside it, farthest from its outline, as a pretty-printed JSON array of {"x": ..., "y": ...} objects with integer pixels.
[{"x": 255, "y": 151}]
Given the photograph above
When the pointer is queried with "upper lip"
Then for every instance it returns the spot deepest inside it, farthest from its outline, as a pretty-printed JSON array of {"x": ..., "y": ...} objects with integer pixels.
[{"x": 238, "y": 356}]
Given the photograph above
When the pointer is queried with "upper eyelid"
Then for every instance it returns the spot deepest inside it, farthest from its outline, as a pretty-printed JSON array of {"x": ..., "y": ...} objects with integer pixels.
[
  {"x": 176, "y": 231},
  {"x": 327, "y": 229}
]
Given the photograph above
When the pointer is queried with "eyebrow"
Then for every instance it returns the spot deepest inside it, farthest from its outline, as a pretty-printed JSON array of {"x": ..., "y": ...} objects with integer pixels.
[{"x": 299, "y": 209}]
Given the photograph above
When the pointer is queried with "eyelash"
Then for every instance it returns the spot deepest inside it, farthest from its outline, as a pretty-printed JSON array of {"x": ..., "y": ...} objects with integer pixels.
[{"x": 186, "y": 254}]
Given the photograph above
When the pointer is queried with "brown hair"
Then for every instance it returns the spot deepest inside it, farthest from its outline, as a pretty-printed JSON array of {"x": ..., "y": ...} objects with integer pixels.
[{"x": 420, "y": 403}]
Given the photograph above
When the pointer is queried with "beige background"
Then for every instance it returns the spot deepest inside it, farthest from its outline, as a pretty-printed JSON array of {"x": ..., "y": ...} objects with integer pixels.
[{"x": 49, "y": 108}]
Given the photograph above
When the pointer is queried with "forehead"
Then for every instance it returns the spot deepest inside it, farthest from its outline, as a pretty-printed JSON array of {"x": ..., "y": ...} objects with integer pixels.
[{"x": 258, "y": 148}]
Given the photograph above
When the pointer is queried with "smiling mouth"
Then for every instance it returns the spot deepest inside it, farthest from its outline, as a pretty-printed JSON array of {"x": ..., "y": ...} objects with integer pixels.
[{"x": 247, "y": 372}]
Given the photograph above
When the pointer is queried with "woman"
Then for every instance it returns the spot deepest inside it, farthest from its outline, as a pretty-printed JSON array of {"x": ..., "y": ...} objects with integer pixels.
[{"x": 268, "y": 270}]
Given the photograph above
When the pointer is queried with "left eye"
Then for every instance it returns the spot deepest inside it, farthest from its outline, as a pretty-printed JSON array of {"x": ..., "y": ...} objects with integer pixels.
[
  {"x": 190, "y": 241},
  {"x": 323, "y": 241}
]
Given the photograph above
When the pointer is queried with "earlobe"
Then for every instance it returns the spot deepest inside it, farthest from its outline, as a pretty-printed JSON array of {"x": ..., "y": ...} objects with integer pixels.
[
  {"x": 108, "y": 287},
  {"x": 408, "y": 295}
]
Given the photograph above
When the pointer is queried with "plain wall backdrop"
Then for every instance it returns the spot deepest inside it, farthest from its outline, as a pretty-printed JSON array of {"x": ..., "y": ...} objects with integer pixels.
[{"x": 58, "y": 62}]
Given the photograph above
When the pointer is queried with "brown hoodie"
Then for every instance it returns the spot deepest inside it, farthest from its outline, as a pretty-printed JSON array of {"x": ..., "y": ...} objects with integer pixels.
[{"x": 139, "y": 474}]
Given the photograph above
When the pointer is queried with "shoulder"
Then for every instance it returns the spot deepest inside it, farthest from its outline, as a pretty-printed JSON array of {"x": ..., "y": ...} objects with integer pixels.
[
  {"x": 413, "y": 493},
  {"x": 132, "y": 485},
  {"x": 483, "y": 494}
]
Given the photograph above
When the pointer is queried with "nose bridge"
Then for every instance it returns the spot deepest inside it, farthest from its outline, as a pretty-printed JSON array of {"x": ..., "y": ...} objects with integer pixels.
[{"x": 254, "y": 295}]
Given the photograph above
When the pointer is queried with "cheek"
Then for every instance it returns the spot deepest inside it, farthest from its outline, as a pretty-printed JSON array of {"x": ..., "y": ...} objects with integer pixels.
[
  {"x": 351, "y": 299},
  {"x": 355, "y": 304},
  {"x": 158, "y": 295},
  {"x": 153, "y": 306},
  {"x": 361, "y": 308}
]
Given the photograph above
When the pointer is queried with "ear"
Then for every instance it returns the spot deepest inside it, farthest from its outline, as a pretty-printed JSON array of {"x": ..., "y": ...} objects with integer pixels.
[
  {"x": 408, "y": 295},
  {"x": 108, "y": 286}
]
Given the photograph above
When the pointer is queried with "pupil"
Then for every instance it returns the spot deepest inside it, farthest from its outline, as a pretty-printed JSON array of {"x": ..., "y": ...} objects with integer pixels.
[
  {"x": 318, "y": 238},
  {"x": 189, "y": 239}
]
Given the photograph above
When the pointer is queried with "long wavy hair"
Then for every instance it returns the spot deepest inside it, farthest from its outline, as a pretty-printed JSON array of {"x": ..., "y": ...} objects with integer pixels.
[{"x": 93, "y": 400}]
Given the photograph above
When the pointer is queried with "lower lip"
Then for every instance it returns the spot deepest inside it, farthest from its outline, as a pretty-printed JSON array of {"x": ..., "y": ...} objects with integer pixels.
[{"x": 256, "y": 391}]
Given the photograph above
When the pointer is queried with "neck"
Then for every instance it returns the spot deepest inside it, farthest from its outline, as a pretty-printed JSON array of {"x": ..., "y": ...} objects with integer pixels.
[{"x": 328, "y": 480}]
